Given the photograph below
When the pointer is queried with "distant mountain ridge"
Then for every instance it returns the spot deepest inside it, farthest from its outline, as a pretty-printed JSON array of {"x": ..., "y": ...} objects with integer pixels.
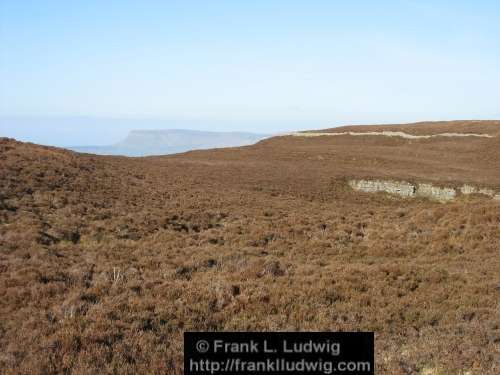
[{"x": 170, "y": 141}]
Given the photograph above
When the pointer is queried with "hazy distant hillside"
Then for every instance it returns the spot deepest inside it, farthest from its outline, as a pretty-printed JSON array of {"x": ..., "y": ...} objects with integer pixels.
[{"x": 162, "y": 142}]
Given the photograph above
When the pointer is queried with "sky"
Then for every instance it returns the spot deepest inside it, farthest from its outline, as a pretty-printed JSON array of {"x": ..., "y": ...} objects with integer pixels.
[{"x": 86, "y": 72}]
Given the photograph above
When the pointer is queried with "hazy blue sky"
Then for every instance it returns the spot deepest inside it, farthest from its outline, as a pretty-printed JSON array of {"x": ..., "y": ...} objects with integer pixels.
[{"x": 246, "y": 65}]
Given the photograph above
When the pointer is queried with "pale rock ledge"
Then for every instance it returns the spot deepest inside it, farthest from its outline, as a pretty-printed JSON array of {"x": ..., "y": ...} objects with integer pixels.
[{"x": 424, "y": 190}]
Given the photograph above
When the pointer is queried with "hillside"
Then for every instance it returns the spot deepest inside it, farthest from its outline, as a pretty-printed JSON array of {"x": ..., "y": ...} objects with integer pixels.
[
  {"x": 163, "y": 142},
  {"x": 106, "y": 260}
]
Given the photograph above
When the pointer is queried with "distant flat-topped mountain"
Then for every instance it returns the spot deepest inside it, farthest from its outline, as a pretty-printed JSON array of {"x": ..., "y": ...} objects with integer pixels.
[{"x": 171, "y": 141}]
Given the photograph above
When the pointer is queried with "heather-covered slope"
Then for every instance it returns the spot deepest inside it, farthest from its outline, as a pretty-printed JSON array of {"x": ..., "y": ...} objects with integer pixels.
[
  {"x": 491, "y": 127},
  {"x": 105, "y": 261}
]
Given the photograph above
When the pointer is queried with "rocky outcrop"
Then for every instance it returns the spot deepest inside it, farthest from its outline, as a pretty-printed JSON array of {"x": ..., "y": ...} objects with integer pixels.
[
  {"x": 468, "y": 189},
  {"x": 434, "y": 192},
  {"x": 424, "y": 190},
  {"x": 401, "y": 188},
  {"x": 392, "y": 134}
]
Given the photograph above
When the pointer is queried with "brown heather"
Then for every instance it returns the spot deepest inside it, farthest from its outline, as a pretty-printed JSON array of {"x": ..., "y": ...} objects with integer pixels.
[{"x": 105, "y": 261}]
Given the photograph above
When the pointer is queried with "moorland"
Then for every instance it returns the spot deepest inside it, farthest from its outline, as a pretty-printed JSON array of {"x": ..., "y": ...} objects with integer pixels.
[{"x": 105, "y": 260}]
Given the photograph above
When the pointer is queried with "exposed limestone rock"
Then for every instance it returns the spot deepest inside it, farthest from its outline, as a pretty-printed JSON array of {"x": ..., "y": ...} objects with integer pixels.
[
  {"x": 487, "y": 192},
  {"x": 403, "y": 188},
  {"x": 388, "y": 133},
  {"x": 408, "y": 190},
  {"x": 434, "y": 192},
  {"x": 468, "y": 189}
]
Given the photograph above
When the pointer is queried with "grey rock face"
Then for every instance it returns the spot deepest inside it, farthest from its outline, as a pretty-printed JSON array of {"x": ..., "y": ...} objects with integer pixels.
[
  {"x": 437, "y": 193},
  {"x": 468, "y": 189},
  {"x": 402, "y": 188},
  {"x": 424, "y": 190}
]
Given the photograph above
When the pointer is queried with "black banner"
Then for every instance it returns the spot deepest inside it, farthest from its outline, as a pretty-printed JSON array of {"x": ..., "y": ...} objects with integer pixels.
[{"x": 251, "y": 353}]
